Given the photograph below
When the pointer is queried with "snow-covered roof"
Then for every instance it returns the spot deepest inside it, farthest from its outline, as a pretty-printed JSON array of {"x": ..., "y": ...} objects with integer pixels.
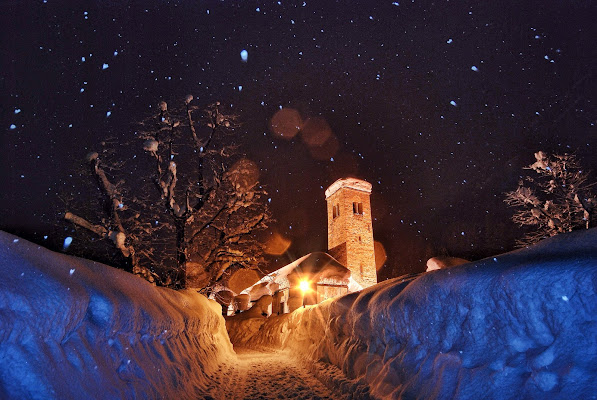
[
  {"x": 352, "y": 183},
  {"x": 317, "y": 266}
]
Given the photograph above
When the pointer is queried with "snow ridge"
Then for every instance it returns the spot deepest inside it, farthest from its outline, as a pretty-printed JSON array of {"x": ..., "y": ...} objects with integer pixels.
[
  {"x": 520, "y": 325},
  {"x": 73, "y": 328}
]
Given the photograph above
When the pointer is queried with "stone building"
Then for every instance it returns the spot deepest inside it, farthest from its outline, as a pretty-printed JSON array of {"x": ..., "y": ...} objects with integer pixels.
[
  {"x": 348, "y": 265},
  {"x": 350, "y": 230},
  {"x": 308, "y": 280}
]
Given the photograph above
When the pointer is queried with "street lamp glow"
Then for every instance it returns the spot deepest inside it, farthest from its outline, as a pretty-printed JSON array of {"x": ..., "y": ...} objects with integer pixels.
[{"x": 304, "y": 285}]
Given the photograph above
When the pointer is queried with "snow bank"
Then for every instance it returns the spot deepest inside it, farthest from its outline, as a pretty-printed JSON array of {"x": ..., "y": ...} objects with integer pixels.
[
  {"x": 521, "y": 325},
  {"x": 72, "y": 328}
]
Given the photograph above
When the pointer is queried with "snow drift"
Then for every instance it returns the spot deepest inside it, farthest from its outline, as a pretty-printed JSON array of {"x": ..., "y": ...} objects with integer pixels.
[
  {"x": 521, "y": 325},
  {"x": 73, "y": 328}
]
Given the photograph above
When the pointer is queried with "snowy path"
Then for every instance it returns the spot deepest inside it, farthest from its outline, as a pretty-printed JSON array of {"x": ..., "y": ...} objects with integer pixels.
[{"x": 267, "y": 375}]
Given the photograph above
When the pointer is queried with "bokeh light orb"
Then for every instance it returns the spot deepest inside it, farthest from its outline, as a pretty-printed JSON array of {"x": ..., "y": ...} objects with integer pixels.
[
  {"x": 286, "y": 123},
  {"x": 242, "y": 279},
  {"x": 327, "y": 150},
  {"x": 277, "y": 244},
  {"x": 316, "y": 131},
  {"x": 243, "y": 175},
  {"x": 380, "y": 255}
]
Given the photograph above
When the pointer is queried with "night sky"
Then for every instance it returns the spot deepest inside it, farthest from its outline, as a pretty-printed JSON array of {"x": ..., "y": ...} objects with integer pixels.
[{"x": 438, "y": 104}]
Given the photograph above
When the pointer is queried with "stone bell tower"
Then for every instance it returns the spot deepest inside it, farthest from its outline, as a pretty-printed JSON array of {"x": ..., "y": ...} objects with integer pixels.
[{"x": 350, "y": 233}]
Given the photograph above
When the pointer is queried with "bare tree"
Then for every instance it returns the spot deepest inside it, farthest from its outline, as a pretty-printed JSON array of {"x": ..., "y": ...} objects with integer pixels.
[
  {"x": 111, "y": 216},
  {"x": 201, "y": 217},
  {"x": 558, "y": 199}
]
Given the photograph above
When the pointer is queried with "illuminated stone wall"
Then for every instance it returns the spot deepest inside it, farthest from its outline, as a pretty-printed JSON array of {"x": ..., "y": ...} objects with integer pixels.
[
  {"x": 325, "y": 292},
  {"x": 350, "y": 231},
  {"x": 339, "y": 253}
]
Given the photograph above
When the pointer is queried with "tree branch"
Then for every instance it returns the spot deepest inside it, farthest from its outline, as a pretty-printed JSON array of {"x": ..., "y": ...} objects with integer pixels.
[{"x": 83, "y": 223}]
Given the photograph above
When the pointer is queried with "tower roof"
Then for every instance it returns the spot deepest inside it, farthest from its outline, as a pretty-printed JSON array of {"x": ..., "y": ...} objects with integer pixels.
[{"x": 352, "y": 183}]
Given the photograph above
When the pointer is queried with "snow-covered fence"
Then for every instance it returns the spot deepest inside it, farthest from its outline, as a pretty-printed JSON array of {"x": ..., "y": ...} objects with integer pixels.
[
  {"x": 74, "y": 329},
  {"x": 521, "y": 325}
]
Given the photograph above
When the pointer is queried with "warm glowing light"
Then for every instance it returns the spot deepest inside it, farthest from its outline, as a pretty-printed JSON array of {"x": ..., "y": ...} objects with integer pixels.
[
  {"x": 277, "y": 244},
  {"x": 304, "y": 285},
  {"x": 315, "y": 132},
  {"x": 286, "y": 123},
  {"x": 244, "y": 175},
  {"x": 327, "y": 150},
  {"x": 380, "y": 255}
]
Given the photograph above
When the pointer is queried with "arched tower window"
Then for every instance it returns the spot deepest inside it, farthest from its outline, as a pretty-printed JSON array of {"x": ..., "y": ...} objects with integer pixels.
[
  {"x": 336, "y": 210},
  {"x": 357, "y": 208}
]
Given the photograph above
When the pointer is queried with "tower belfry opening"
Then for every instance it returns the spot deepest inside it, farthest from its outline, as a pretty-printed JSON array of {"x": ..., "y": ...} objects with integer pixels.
[{"x": 350, "y": 233}]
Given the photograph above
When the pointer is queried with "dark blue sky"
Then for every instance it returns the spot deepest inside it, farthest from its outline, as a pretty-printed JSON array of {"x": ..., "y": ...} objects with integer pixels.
[{"x": 437, "y": 104}]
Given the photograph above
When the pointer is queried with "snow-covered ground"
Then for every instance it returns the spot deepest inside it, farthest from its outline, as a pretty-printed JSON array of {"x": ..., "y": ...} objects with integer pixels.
[
  {"x": 75, "y": 329},
  {"x": 268, "y": 375},
  {"x": 520, "y": 325}
]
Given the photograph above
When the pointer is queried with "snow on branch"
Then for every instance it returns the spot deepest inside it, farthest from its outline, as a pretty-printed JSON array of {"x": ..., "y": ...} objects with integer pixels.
[
  {"x": 193, "y": 205},
  {"x": 558, "y": 199}
]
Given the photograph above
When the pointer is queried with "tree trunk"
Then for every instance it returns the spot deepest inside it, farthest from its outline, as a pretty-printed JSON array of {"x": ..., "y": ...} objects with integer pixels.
[{"x": 181, "y": 254}]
